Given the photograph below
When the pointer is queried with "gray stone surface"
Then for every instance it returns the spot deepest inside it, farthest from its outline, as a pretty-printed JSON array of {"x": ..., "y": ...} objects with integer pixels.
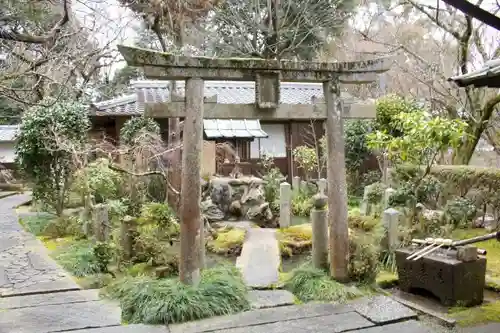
[
  {"x": 261, "y": 299},
  {"x": 332, "y": 324},
  {"x": 136, "y": 328},
  {"x": 25, "y": 266},
  {"x": 56, "y": 318},
  {"x": 260, "y": 258},
  {"x": 260, "y": 317},
  {"x": 382, "y": 309},
  {"x": 49, "y": 299},
  {"x": 411, "y": 326},
  {"x": 486, "y": 328}
]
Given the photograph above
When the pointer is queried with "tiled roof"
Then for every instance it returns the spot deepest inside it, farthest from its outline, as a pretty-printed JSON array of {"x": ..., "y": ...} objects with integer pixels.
[
  {"x": 8, "y": 132},
  {"x": 231, "y": 128},
  {"x": 487, "y": 76},
  {"x": 227, "y": 92}
]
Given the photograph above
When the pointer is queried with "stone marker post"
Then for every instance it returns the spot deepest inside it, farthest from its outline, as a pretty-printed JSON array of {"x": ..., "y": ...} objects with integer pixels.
[
  {"x": 128, "y": 231},
  {"x": 319, "y": 231},
  {"x": 365, "y": 207},
  {"x": 322, "y": 186},
  {"x": 296, "y": 184},
  {"x": 101, "y": 222},
  {"x": 285, "y": 205},
  {"x": 387, "y": 195},
  {"x": 390, "y": 221}
]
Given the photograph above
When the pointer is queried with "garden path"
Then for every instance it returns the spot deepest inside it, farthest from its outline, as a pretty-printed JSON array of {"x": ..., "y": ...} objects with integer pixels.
[
  {"x": 260, "y": 259},
  {"x": 37, "y": 296}
]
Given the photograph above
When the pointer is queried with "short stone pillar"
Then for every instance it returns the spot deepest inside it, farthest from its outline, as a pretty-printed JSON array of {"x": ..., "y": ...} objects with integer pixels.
[
  {"x": 128, "y": 232},
  {"x": 365, "y": 207},
  {"x": 319, "y": 231},
  {"x": 322, "y": 183},
  {"x": 387, "y": 195},
  {"x": 101, "y": 222},
  {"x": 285, "y": 205},
  {"x": 296, "y": 184},
  {"x": 390, "y": 220}
]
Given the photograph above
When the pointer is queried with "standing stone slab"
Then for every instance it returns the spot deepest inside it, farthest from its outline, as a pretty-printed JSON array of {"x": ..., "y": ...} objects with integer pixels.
[
  {"x": 333, "y": 323},
  {"x": 261, "y": 299},
  {"x": 388, "y": 193},
  {"x": 285, "y": 205},
  {"x": 260, "y": 317},
  {"x": 390, "y": 219},
  {"x": 260, "y": 258},
  {"x": 382, "y": 310},
  {"x": 56, "y": 318},
  {"x": 365, "y": 207},
  {"x": 296, "y": 184}
]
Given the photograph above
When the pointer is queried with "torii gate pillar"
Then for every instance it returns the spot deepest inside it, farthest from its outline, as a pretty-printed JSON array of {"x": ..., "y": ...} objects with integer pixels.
[{"x": 267, "y": 74}]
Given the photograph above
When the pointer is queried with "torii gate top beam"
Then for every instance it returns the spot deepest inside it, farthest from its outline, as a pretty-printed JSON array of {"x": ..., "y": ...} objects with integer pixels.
[{"x": 159, "y": 65}]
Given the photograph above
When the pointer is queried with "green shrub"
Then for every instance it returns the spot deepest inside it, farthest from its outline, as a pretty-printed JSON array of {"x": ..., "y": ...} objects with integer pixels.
[
  {"x": 36, "y": 224},
  {"x": 302, "y": 204},
  {"x": 99, "y": 180},
  {"x": 221, "y": 291},
  {"x": 136, "y": 126},
  {"x": 160, "y": 214},
  {"x": 83, "y": 258},
  {"x": 364, "y": 254},
  {"x": 311, "y": 284},
  {"x": 460, "y": 211},
  {"x": 375, "y": 192}
]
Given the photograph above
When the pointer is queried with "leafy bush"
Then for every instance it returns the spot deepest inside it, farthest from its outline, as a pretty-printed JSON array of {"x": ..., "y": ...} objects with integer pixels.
[
  {"x": 83, "y": 258},
  {"x": 311, "y": 284},
  {"x": 273, "y": 179},
  {"x": 221, "y": 291},
  {"x": 134, "y": 127},
  {"x": 460, "y": 210},
  {"x": 302, "y": 204},
  {"x": 388, "y": 107},
  {"x": 306, "y": 158},
  {"x": 364, "y": 254},
  {"x": 160, "y": 214},
  {"x": 45, "y": 146},
  {"x": 99, "y": 180},
  {"x": 53, "y": 227},
  {"x": 375, "y": 192},
  {"x": 36, "y": 224}
]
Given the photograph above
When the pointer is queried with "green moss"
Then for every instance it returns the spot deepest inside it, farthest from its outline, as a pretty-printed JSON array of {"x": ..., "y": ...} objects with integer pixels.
[
  {"x": 479, "y": 315},
  {"x": 227, "y": 242},
  {"x": 386, "y": 279},
  {"x": 491, "y": 246},
  {"x": 53, "y": 244}
]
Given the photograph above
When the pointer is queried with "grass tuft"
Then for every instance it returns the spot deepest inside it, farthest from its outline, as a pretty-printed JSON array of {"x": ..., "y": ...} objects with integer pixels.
[
  {"x": 36, "y": 224},
  {"x": 486, "y": 313},
  {"x": 311, "y": 284},
  {"x": 78, "y": 258},
  {"x": 146, "y": 300}
]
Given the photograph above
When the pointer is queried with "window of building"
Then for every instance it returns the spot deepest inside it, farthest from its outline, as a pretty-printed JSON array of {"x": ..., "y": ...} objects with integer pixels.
[{"x": 274, "y": 145}]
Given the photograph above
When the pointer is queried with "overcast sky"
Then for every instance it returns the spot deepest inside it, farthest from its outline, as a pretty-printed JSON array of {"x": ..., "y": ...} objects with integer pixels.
[{"x": 117, "y": 25}]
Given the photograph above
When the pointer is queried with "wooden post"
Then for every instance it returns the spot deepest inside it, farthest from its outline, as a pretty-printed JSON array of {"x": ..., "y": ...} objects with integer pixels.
[
  {"x": 337, "y": 187},
  {"x": 191, "y": 223}
]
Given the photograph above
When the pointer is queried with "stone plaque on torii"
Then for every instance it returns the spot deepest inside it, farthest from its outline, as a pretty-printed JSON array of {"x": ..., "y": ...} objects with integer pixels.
[{"x": 267, "y": 75}]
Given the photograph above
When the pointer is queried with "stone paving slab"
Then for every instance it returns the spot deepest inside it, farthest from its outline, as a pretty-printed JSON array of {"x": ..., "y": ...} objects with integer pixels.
[
  {"x": 260, "y": 317},
  {"x": 49, "y": 299},
  {"x": 260, "y": 243},
  {"x": 334, "y": 323},
  {"x": 411, "y": 326},
  {"x": 57, "y": 318},
  {"x": 261, "y": 299},
  {"x": 139, "y": 328},
  {"x": 25, "y": 265},
  {"x": 382, "y": 309},
  {"x": 486, "y": 328}
]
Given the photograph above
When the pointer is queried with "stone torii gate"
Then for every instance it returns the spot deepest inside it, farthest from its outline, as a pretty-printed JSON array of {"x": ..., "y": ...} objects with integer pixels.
[{"x": 267, "y": 75}]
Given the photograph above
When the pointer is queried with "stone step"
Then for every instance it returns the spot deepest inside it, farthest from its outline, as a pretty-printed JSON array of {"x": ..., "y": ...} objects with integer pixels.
[
  {"x": 260, "y": 258},
  {"x": 57, "y": 312},
  {"x": 262, "y": 299}
]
